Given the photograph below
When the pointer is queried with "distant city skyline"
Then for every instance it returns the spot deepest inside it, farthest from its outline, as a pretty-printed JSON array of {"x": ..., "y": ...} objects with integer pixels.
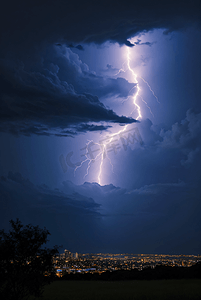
[{"x": 68, "y": 262}]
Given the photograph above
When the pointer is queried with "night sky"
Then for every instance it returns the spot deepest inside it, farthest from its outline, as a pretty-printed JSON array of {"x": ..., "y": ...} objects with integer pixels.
[{"x": 100, "y": 123}]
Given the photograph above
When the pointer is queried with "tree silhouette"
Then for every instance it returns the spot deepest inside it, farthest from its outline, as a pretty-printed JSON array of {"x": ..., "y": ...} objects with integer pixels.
[{"x": 25, "y": 265}]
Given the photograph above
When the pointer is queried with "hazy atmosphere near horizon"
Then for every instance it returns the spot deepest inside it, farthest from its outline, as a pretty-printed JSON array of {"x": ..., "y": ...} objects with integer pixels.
[{"x": 100, "y": 123}]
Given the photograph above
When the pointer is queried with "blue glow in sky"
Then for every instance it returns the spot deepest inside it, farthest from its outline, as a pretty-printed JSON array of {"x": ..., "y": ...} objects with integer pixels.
[{"x": 76, "y": 156}]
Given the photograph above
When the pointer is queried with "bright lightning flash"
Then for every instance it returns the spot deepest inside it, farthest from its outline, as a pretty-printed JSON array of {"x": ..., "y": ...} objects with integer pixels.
[
  {"x": 103, "y": 146},
  {"x": 101, "y": 155},
  {"x": 135, "y": 81}
]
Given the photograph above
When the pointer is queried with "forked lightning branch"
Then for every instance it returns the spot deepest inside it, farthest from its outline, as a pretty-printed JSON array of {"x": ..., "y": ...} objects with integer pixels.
[{"x": 98, "y": 151}]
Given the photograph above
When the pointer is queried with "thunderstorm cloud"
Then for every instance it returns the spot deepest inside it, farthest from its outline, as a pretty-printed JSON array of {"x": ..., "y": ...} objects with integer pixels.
[{"x": 45, "y": 90}]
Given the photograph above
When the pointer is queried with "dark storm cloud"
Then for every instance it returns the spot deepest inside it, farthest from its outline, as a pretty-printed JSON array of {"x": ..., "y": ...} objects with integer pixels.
[
  {"x": 44, "y": 197},
  {"x": 69, "y": 68},
  {"x": 159, "y": 213},
  {"x": 91, "y": 217},
  {"x": 110, "y": 70},
  {"x": 44, "y": 90},
  {"x": 166, "y": 155},
  {"x": 146, "y": 43},
  {"x": 27, "y": 23},
  {"x": 185, "y": 136},
  {"x": 71, "y": 218},
  {"x": 79, "y": 47},
  {"x": 83, "y": 128},
  {"x": 150, "y": 217},
  {"x": 56, "y": 92},
  {"x": 88, "y": 127}
]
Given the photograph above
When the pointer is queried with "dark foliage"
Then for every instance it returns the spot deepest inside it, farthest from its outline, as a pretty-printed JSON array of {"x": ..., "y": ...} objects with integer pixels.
[{"x": 25, "y": 266}]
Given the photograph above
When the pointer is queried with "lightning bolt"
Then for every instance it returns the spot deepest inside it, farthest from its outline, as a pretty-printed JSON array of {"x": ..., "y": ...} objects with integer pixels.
[
  {"x": 135, "y": 81},
  {"x": 150, "y": 88},
  {"x": 101, "y": 155},
  {"x": 135, "y": 76},
  {"x": 89, "y": 160},
  {"x": 147, "y": 106},
  {"x": 103, "y": 146}
]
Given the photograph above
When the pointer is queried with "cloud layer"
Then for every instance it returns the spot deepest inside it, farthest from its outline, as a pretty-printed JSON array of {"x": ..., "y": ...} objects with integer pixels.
[
  {"x": 25, "y": 24},
  {"x": 90, "y": 217},
  {"x": 57, "y": 94},
  {"x": 45, "y": 90}
]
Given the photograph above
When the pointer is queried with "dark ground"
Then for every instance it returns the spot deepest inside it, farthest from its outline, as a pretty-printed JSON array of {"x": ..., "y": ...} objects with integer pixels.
[{"x": 124, "y": 290}]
